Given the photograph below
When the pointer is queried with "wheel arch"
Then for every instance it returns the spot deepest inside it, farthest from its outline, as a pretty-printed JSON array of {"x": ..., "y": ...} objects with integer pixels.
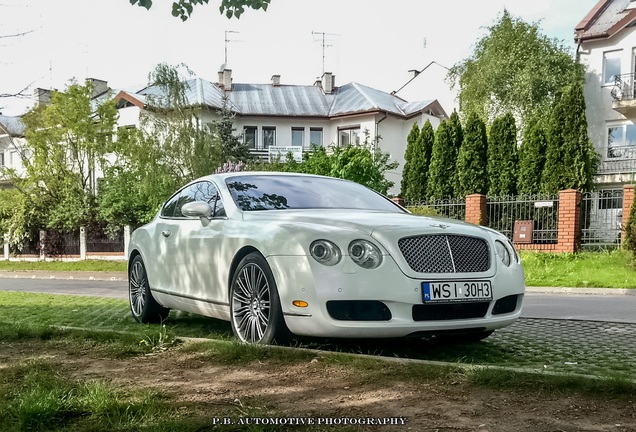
[{"x": 240, "y": 254}]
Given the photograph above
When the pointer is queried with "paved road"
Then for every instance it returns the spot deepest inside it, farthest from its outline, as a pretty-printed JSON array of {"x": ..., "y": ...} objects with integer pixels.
[{"x": 610, "y": 308}]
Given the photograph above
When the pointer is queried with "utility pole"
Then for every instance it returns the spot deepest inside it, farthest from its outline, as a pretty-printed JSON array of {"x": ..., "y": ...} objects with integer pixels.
[{"x": 323, "y": 43}]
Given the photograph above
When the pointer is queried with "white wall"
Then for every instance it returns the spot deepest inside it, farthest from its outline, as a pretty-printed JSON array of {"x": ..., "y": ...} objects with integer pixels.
[
  {"x": 598, "y": 99},
  {"x": 12, "y": 158}
]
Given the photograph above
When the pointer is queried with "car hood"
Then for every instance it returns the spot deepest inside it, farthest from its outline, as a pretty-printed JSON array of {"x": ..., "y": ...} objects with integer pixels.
[{"x": 373, "y": 223}]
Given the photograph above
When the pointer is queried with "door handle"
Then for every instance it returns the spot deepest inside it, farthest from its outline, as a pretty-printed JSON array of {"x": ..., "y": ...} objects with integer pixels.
[{"x": 166, "y": 233}]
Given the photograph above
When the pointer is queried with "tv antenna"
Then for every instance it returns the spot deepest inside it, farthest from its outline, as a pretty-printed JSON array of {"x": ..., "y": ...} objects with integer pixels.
[
  {"x": 228, "y": 40},
  {"x": 323, "y": 43}
]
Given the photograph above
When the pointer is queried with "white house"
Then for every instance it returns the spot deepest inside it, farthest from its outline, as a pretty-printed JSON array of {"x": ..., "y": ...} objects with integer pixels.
[
  {"x": 11, "y": 144},
  {"x": 606, "y": 45},
  {"x": 276, "y": 118}
]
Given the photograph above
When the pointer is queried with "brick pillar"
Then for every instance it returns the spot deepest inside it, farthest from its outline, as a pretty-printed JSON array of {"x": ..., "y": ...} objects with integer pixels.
[
  {"x": 398, "y": 201},
  {"x": 569, "y": 236},
  {"x": 476, "y": 209},
  {"x": 628, "y": 199}
]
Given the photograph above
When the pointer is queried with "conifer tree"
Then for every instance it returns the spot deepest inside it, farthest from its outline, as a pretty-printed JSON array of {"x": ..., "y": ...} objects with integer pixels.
[
  {"x": 411, "y": 141},
  {"x": 571, "y": 160},
  {"x": 457, "y": 139},
  {"x": 471, "y": 162},
  {"x": 502, "y": 156},
  {"x": 532, "y": 157},
  {"x": 441, "y": 170}
]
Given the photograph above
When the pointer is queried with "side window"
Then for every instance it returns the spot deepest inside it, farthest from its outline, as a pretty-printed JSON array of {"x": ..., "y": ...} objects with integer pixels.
[
  {"x": 168, "y": 209},
  {"x": 200, "y": 191}
]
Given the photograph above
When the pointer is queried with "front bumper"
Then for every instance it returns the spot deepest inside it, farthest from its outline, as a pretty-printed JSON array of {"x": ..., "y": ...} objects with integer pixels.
[{"x": 302, "y": 278}]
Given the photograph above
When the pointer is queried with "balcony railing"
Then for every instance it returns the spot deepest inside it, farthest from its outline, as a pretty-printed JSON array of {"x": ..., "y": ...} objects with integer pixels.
[
  {"x": 623, "y": 87},
  {"x": 617, "y": 159}
]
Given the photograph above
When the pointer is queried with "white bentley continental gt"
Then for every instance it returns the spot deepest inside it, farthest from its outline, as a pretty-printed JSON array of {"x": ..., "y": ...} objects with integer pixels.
[{"x": 282, "y": 254}]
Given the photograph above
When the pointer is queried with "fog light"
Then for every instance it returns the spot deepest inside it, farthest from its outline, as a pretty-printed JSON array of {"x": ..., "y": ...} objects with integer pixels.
[{"x": 300, "y": 303}]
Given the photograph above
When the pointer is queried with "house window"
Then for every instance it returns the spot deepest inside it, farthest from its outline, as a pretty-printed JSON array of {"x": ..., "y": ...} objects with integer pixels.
[
  {"x": 315, "y": 136},
  {"x": 269, "y": 136},
  {"x": 349, "y": 136},
  {"x": 611, "y": 66},
  {"x": 298, "y": 137},
  {"x": 249, "y": 136},
  {"x": 1, "y": 159},
  {"x": 621, "y": 142}
]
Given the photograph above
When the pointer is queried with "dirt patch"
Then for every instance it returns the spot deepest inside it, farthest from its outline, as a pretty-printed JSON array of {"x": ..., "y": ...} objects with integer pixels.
[{"x": 314, "y": 389}]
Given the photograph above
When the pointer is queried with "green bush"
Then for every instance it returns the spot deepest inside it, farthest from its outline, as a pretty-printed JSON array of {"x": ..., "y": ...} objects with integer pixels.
[{"x": 629, "y": 242}]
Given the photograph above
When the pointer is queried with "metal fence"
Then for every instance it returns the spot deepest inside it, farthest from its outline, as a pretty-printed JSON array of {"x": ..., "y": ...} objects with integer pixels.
[
  {"x": 27, "y": 247},
  {"x": 601, "y": 218},
  {"x": 99, "y": 241},
  {"x": 452, "y": 208},
  {"x": 542, "y": 210}
]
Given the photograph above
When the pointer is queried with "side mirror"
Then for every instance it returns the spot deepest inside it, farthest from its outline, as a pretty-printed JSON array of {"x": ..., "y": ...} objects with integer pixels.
[{"x": 198, "y": 209}]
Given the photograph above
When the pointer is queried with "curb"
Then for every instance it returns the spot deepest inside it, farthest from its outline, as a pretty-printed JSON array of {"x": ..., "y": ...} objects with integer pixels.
[{"x": 123, "y": 277}]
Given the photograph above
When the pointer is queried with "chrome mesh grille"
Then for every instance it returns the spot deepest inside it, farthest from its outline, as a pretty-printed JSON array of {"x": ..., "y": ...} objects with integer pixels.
[{"x": 442, "y": 253}]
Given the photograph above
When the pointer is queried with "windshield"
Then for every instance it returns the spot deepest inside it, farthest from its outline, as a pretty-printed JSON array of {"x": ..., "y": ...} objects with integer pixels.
[{"x": 267, "y": 192}]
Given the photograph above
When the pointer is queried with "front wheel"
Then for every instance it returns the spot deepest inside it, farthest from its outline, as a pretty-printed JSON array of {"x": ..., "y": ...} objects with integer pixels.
[
  {"x": 143, "y": 306},
  {"x": 255, "y": 309}
]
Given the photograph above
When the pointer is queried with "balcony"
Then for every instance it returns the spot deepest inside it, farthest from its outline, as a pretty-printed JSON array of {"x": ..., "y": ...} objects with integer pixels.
[
  {"x": 617, "y": 159},
  {"x": 624, "y": 95}
]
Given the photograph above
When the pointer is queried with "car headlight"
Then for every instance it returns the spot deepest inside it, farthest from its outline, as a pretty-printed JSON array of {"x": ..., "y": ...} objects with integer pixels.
[
  {"x": 325, "y": 252},
  {"x": 365, "y": 254},
  {"x": 514, "y": 252},
  {"x": 502, "y": 252}
]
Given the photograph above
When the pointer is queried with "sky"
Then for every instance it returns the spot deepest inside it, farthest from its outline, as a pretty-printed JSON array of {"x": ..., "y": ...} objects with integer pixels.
[{"x": 371, "y": 42}]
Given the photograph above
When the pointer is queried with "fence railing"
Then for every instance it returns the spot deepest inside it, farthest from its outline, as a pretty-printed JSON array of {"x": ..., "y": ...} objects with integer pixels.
[
  {"x": 601, "y": 218},
  {"x": 452, "y": 208},
  {"x": 563, "y": 222},
  {"x": 542, "y": 210},
  {"x": 77, "y": 244}
]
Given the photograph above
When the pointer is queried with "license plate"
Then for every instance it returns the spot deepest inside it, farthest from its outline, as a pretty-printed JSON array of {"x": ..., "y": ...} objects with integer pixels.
[{"x": 456, "y": 291}]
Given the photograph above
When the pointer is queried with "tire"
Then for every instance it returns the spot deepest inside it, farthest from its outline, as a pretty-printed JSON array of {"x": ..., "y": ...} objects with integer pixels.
[
  {"x": 143, "y": 305},
  {"x": 255, "y": 309},
  {"x": 466, "y": 337}
]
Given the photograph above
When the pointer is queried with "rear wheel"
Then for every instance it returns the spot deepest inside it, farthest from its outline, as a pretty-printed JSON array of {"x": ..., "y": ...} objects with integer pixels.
[
  {"x": 143, "y": 306},
  {"x": 255, "y": 309}
]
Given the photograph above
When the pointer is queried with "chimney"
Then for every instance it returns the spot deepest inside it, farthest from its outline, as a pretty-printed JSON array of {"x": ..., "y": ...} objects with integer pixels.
[
  {"x": 225, "y": 77},
  {"x": 98, "y": 86},
  {"x": 328, "y": 82},
  {"x": 276, "y": 80},
  {"x": 42, "y": 96}
]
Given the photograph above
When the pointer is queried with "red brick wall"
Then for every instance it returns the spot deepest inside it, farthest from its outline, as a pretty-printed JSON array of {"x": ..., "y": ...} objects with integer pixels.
[
  {"x": 476, "y": 209},
  {"x": 569, "y": 236}
]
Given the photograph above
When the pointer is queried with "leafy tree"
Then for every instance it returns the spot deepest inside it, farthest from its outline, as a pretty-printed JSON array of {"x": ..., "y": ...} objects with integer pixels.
[
  {"x": 411, "y": 140},
  {"x": 472, "y": 176},
  {"x": 513, "y": 68},
  {"x": 571, "y": 160},
  {"x": 502, "y": 156},
  {"x": 441, "y": 169},
  {"x": 364, "y": 164},
  {"x": 232, "y": 147},
  {"x": 231, "y": 8},
  {"x": 68, "y": 140},
  {"x": 172, "y": 147},
  {"x": 532, "y": 157},
  {"x": 417, "y": 177}
]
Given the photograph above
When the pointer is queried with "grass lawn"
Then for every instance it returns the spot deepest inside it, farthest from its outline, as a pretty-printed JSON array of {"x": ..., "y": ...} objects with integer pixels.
[
  {"x": 87, "y": 265},
  {"x": 609, "y": 269}
]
